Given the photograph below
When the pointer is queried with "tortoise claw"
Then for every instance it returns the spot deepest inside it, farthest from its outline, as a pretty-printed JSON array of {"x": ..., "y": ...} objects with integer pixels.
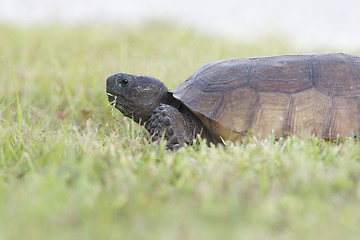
[
  {"x": 170, "y": 131},
  {"x": 167, "y": 121}
]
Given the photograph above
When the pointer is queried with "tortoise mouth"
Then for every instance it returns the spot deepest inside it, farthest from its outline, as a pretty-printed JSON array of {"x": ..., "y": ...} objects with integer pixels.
[
  {"x": 114, "y": 102},
  {"x": 111, "y": 98}
]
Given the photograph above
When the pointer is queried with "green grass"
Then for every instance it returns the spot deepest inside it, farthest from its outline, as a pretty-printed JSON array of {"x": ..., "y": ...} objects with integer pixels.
[{"x": 68, "y": 170}]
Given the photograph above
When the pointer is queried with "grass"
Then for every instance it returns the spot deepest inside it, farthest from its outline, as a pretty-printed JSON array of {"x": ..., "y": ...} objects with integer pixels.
[{"x": 68, "y": 170}]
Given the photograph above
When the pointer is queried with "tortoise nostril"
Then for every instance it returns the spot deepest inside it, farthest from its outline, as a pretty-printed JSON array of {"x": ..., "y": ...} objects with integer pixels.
[
  {"x": 111, "y": 85},
  {"x": 109, "y": 82}
]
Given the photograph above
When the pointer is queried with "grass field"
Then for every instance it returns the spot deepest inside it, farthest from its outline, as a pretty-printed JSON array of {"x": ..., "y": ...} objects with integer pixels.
[{"x": 68, "y": 170}]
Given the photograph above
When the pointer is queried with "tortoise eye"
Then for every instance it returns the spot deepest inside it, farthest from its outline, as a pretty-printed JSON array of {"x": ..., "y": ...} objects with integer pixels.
[{"x": 124, "y": 82}]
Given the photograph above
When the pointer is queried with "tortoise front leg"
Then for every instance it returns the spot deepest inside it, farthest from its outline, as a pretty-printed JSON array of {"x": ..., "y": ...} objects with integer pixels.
[{"x": 167, "y": 121}]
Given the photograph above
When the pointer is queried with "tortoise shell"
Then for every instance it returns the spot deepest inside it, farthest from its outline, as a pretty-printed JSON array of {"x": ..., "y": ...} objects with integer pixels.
[{"x": 281, "y": 95}]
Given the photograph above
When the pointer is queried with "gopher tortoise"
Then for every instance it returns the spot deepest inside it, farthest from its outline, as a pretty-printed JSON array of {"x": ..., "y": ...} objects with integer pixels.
[{"x": 317, "y": 95}]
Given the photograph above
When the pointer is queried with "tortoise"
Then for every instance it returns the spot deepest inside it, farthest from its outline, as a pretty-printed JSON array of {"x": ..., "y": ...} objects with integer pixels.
[{"x": 315, "y": 94}]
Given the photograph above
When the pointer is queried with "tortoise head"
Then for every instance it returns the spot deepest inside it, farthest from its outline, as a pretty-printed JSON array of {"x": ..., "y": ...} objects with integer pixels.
[{"x": 135, "y": 96}]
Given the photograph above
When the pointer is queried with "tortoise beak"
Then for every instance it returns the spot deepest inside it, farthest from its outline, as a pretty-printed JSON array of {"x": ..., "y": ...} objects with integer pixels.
[
  {"x": 111, "y": 98},
  {"x": 111, "y": 88}
]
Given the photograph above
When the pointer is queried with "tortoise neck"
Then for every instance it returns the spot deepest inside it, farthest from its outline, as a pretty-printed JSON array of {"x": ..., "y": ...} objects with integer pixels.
[
  {"x": 170, "y": 100},
  {"x": 167, "y": 99}
]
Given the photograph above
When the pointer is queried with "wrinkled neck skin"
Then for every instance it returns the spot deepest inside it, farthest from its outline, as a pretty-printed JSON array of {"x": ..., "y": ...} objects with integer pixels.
[{"x": 141, "y": 115}]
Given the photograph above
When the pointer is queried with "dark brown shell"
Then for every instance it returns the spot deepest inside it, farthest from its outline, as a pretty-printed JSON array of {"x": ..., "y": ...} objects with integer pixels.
[{"x": 283, "y": 95}]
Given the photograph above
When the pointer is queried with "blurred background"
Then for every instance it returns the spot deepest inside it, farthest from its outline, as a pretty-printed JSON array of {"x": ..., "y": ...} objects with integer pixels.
[{"x": 307, "y": 24}]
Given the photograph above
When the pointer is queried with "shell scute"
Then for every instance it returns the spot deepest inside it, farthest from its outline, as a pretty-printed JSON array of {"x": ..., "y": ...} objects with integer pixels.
[
  {"x": 270, "y": 114},
  {"x": 343, "y": 118},
  {"x": 338, "y": 74},
  {"x": 286, "y": 74},
  {"x": 224, "y": 76},
  {"x": 310, "y": 112},
  {"x": 236, "y": 108}
]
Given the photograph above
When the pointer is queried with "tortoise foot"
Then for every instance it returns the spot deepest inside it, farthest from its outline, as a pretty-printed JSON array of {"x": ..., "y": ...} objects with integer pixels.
[{"x": 160, "y": 125}]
